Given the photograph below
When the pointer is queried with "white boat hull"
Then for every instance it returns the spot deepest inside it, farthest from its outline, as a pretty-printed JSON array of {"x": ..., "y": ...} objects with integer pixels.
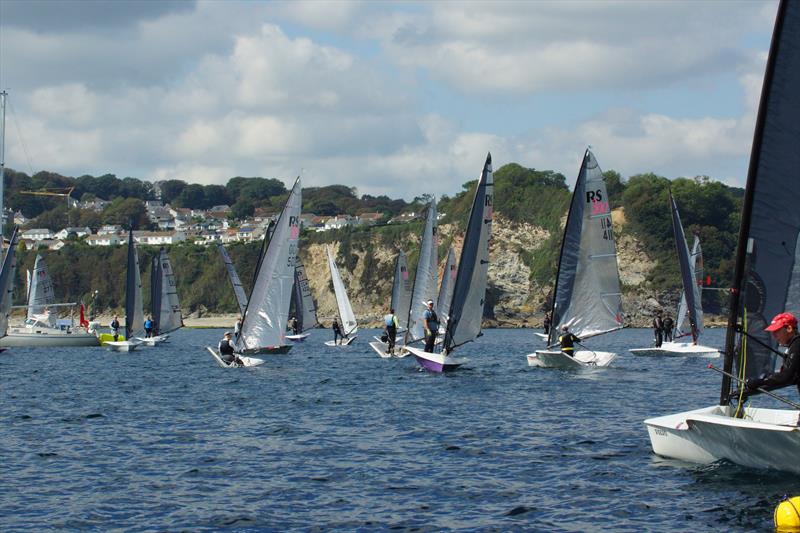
[
  {"x": 152, "y": 341},
  {"x": 764, "y": 438},
  {"x": 581, "y": 359},
  {"x": 122, "y": 346},
  {"x": 25, "y": 337},
  {"x": 298, "y": 338},
  {"x": 541, "y": 336},
  {"x": 677, "y": 349},
  {"x": 342, "y": 342},
  {"x": 436, "y": 362},
  {"x": 246, "y": 361}
]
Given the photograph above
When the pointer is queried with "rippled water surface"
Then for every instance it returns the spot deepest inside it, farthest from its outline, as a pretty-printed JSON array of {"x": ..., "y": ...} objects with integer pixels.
[{"x": 338, "y": 439}]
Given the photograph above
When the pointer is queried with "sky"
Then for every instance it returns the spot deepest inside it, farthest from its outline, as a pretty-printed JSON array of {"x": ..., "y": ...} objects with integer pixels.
[{"x": 395, "y": 98}]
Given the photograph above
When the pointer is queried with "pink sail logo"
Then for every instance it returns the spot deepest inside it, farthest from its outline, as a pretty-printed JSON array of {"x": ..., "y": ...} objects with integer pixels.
[{"x": 294, "y": 228}]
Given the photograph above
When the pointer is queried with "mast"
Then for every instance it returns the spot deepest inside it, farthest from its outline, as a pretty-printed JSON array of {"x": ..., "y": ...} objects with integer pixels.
[
  {"x": 3, "y": 96},
  {"x": 687, "y": 271}
]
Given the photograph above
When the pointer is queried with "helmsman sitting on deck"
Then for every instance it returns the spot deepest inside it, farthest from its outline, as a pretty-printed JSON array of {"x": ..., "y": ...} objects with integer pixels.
[
  {"x": 226, "y": 350},
  {"x": 567, "y": 341},
  {"x": 784, "y": 330}
]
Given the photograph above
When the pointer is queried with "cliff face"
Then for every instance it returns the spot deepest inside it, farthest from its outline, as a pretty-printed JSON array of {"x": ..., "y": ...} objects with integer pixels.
[{"x": 367, "y": 269}]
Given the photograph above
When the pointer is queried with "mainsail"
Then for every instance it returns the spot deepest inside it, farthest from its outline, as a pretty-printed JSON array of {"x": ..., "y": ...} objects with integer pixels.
[
  {"x": 238, "y": 289},
  {"x": 685, "y": 320},
  {"x": 401, "y": 291},
  {"x": 446, "y": 287},
  {"x": 346, "y": 316},
  {"x": 767, "y": 274},
  {"x": 40, "y": 290},
  {"x": 7, "y": 272},
  {"x": 305, "y": 310},
  {"x": 587, "y": 291},
  {"x": 425, "y": 279},
  {"x": 134, "y": 309},
  {"x": 266, "y": 314},
  {"x": 469, "y": 291},
  {"x": 164, "y": 295}
]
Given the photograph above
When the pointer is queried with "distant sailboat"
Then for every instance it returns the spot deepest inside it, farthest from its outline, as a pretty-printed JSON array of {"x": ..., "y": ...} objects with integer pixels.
[
  {"x": 347, "y": 319},
  {"x": 587, "y": 295},
  {"x": 305, "y": 310},
  {"x": 690, "y": 310},
  {"x": 469, "y": 291},
  {"x": 401, "y": 303},
  {"x": 236, "y": 283},
  {"x": 164, "y": 303},
  {"x": 134, "y": 309},
  {"x": 765, "y": 283}
]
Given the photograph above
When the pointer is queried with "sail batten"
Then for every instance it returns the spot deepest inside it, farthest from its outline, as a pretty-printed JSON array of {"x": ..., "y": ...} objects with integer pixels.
[
  {"x": 587, "y": 295},
  {"x": 267, "y": 312}
]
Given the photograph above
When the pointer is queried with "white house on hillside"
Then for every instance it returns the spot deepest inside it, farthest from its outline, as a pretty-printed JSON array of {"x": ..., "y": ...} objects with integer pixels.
[
  {"x": 105, "y": 239},
  {"x": 37, "y": 234},
  {"x": 80, "y": 232},
  {"x": 158, "y": 238}
]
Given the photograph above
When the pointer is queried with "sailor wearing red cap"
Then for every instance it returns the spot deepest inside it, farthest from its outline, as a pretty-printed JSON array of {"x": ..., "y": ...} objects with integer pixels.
[{"x": 784, "y": 330}]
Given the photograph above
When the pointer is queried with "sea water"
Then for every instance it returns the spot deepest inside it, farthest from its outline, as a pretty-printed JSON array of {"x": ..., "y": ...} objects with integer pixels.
[{"x": 327, "y": 439}]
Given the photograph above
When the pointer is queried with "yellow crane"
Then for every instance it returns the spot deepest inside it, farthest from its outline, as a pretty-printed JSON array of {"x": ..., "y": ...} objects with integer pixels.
[{"x": 55, "y": 191}]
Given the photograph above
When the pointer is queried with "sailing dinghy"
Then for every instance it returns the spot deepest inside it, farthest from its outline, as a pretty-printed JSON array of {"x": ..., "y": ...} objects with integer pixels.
[
  {"x": 166, "y": 309},
  {"x": 267, "y": 308},
  {"x": 134, "y": 310},
  {"x": 587, "y": 295},
  {"x": 401, "y": 301},
  {"x": 305, "y": 310},
  {"x": 7, "y": 272},
  {"x": 347, "y": 319},
  {"x": 469, "y": 290},
  {"x": 766, "y": 280},
  {"x": 690, "y": 310}
]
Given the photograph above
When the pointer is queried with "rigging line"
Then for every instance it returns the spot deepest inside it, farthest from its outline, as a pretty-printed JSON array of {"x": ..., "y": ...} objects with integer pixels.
[{"x": 21, "y": 138}]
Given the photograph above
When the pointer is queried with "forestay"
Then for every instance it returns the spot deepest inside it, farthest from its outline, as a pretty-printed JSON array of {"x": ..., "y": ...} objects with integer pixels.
[
  {"x": 587, "y": 292},
  {"x": 40, "y": 291},
  {"x": 469, "y": 291},
  {"x": 304, "y": 307},
  {"x": 7, "y": 272},
  {"x": 164, "y": 295},
  {"x": 266, "y": 314},
  {"x": 683, "y": 324},
  {"x": 401, "y": 290},
  {"x": 446, "y": 288},
  {"x": 134, "y": 308},
  {"x": 767, "y": 275},
  {"x": 346, "y": 315},
  {"x": 238, "y": 289},
  {"x": 425, "y": 279}
]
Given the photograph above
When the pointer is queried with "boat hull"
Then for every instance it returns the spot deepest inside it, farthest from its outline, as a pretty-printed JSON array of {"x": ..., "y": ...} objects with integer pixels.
[
  {"x": 267, "y": 350},
  {"x": 436, "y": 362},
  {"x": 152, "y": 341},
  {"x": 247, "y": 361},
  {"x": 678, "y": 349},
  {"x": 45, "y": 339},
  {"x": 298, "y": 338},
  {"x": 122, "y": 346},
  {"x": 764, "y": 438},
  {"x": 581, "y": 359},
  {"x": 380, "y": 348},
  {"x": 346, "y": 342}
]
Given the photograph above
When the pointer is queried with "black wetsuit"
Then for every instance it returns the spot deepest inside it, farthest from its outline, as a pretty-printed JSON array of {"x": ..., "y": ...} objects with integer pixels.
[
  {"x": 658, "y": 330},
  {"x": 546, "y": 324},
  {"x": 337, "y": 332},
  {"x": 226, "y": 351},
  {"x": 432, "y": 329},
  {"x": 789, "y": 374},
  {"x": 568, "y": 341},
  {"x": 668, "y": 329},
  {"x": 115, "y": 329}
]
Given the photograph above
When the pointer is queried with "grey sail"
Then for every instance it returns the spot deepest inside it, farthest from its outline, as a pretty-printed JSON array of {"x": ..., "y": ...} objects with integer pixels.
[
  {"x": 446, "y": 287},
  {"x": 40, "y": 292},
  {"x": 767, "y": 273},
  {"x": 401, "y": 290},
  {"x": 7, "y": 272},
  {"x": 304, "y": 307},
  {"x": 347, "y": 318},
  {"x": 469, "y": 290},
  {"x": 424, "y": 288},
  {"x": 264, "y": 320},
  {"x": 691, "y": 292},
  {"x": 236, "y": 283},
  {"x": 683, "y": 323},
  {"x": 169, "y": 310},
  {"x": 587, "y": 292},
  {"x": 134, "y": 307}
]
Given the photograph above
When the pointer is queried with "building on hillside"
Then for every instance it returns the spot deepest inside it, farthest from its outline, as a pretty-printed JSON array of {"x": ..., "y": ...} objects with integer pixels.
[
  {"x": 79, "y": 232},
  {"x": 370, "y": 218},
  {"x": 158, "y": 238},
  {"x": 204, "y": 239},
  {"x": 220, "y": 209},
  {"x": 110, "y": 229},
  {"x": 105, "y": 239},
  {"x": 403, "y": 218},
  {"x": 338, "y": 222},
  {"x": 19, "y": 219},
  {"x": 50, "y": 244},
  {"x": 37, "y": 234},
  {"x": 97, "y": 205}
]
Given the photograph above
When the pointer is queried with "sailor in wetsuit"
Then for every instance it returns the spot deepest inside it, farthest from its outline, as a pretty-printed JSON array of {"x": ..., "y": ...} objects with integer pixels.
[
  {"x": 226, "y": 350},
  {"x": 784, "y": 330},
  {"x": 567, "y": 341}
]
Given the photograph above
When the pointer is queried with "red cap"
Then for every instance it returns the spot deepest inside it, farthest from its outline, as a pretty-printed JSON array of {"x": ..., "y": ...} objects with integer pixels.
[{"x": 780, "y": 320}]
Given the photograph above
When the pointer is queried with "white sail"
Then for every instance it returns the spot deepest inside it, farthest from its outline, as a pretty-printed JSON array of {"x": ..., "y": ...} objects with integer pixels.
[
  {"x": 40, "y": 292},
  {"x": 425, "y": 279},
  {"x": 264, "y": 322},
  {"x": 446, "y": 288},
  {"x": 346, "y": 316},
  {"x": 401, "y": 291},
  {"x": 682, "y": 325},
  {"x": 170, "y": 317}
]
